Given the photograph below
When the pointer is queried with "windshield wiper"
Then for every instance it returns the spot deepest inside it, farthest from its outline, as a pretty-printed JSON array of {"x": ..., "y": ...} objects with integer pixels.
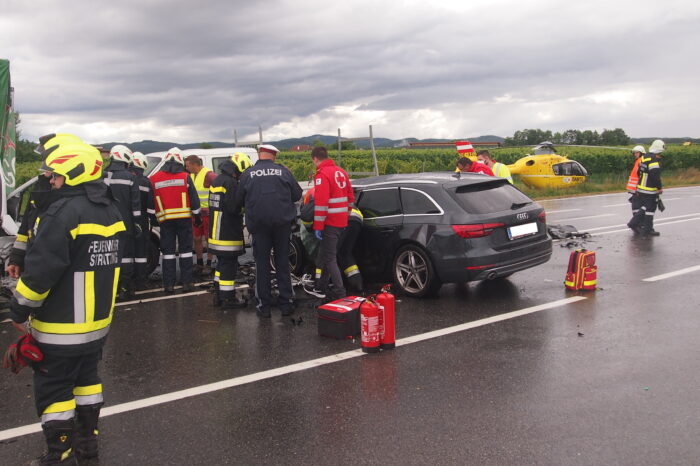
[{"x": 517, "y": 205}]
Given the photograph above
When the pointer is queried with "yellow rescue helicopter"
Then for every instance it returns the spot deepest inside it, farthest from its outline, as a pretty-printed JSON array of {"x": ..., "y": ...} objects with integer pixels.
[{"x": 547, "y": 169}]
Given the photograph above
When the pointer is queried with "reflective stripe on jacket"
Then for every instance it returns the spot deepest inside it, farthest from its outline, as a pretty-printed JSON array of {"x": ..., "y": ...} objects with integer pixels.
[
  {"x": 649, "y": 175},
  {"x": 173, "y": 197},
  {"x": 72, "y": 271},
  {"x": 333, "y": 196},
  {"x": 633, "y": 180},
  {"x": 225, "y": 223},
  {"x": 202, "y": 191}
]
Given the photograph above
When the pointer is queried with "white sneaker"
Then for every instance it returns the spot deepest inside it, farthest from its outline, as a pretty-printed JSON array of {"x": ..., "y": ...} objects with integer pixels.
[{"x": 315, "y": 292}]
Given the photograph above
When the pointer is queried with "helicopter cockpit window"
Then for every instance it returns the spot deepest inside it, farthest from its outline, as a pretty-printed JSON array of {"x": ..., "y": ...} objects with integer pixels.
[{"x": 571, "y": 168}]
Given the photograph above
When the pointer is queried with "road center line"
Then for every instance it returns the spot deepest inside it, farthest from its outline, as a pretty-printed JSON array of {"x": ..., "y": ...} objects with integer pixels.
[
  {"x": 664, "y": 276},
  {"x": 657, "y": 224},
  {"x": 268, "y": 374},
  {"x": 658, "y": 220},
  {"x": 560, "y": 211},
  {"x": 583, "y": 218}
]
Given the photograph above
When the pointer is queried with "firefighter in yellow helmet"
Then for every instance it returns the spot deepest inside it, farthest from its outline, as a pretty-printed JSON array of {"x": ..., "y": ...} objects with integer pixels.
[
  {"x": 68, "y": 289},
  {"x": 226, "y": 229}
]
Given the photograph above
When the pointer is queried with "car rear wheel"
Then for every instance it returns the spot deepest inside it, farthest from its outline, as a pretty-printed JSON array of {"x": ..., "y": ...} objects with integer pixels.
[
  {"x": 413, "y": 272},
  {"x": 296, "y": 256}
]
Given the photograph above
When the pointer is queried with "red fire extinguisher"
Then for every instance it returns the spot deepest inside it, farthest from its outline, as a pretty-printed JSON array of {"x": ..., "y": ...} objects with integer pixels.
[
  {"x": 369, "y": 325},
  {"x": 387, "y": 318}
]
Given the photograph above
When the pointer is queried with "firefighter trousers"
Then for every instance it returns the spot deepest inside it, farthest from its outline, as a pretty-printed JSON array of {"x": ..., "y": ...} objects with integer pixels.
[
  {"x": 264, "y": 242},
  {"x": 126, "y": 273},
  {"x": 141, "y": 254},
  {"x": 225, "y": 276},
  {"x": 176, "y": 237},
  {"x": 647, "y": 208},
  {"x": 346, "y": 261},
  {"x": 61, "y": 383}
]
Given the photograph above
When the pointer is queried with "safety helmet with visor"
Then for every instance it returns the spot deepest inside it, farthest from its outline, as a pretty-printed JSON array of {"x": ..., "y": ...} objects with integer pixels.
[{"x": 79, "y": 163}]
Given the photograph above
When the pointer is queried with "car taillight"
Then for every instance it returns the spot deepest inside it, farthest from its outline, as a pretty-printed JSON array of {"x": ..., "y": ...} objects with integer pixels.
[
  {"x": 542, "y": 217},
  {"x": 477, "y": 230}
]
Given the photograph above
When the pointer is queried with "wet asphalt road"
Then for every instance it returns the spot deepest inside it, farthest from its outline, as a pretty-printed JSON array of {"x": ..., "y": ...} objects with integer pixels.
[{"x": 609, "y": 379}]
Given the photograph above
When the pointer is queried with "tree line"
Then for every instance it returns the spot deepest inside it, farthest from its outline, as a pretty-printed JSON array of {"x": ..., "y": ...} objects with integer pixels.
[{"x": 608, "y": 137}]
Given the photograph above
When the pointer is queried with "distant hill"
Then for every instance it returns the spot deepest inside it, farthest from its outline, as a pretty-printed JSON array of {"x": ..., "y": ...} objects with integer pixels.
[{"x": 149, "y": 146}]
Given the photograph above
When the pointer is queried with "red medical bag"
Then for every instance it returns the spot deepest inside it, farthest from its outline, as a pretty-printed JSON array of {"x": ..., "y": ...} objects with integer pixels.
[
  {"x": 340, "y": 318},
  {"x": 582, "y": 273}
]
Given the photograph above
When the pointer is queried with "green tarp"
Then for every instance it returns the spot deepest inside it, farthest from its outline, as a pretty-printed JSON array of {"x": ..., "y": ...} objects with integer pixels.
[{"x": 7, "y": 129}]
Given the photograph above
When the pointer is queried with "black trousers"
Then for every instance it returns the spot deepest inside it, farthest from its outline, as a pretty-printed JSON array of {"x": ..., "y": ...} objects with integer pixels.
[
  {"x": 176, "y": 236},
  {"x": 647, "y": 208},
  {"x": 227, "y": 268},
  {"x": 141, "y": 254},
  {"x": 330, "y": 272},
  {"x": 346, "y": 261},
  {"x": 126, "y": 273},
  {"x": 264, "y": 242},
  {"x": 56, "y": 379}
]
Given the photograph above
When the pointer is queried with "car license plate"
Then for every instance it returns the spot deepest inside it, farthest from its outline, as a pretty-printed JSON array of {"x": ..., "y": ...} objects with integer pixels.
[{"x": 519, "y": 231}]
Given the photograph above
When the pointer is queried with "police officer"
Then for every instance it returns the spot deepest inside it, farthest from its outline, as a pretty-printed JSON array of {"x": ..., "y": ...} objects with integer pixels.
[
  {"x": 139, "y": 163},
  {"x": 176, "y": 203},
  {"x": 121, "y": 182},
  {"x": 40, "y": 199},
  {"x": 226, "y": 229},
  {"x": 650, "y": 187},
  {"x": 68, "y": 288},
  {"x": 269, "y": 192}
]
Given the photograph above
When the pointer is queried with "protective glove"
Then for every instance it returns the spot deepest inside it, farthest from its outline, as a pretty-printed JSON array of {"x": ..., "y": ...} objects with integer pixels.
[
  {"x": 25, "y": 351},
  {"x": 318, "y": 235},
  {"x": 198, "y": 220}
]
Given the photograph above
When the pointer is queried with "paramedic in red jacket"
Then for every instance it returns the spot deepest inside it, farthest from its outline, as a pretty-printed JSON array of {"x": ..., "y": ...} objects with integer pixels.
[
  {"x": 467, "y": 165},
  {"x": 334, "y": 199}
]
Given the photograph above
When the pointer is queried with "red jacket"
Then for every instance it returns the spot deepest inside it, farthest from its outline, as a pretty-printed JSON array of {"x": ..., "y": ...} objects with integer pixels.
[
  {"x": 173, "y": 197},
  {"x": 333, "y": 196},
  {"x": 478, "y": 167}
]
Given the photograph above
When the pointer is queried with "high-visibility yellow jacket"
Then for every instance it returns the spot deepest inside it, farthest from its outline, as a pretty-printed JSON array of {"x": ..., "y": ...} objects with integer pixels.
[
  {"x": 501, "y": 170},
  {"x": 72, "y": 271},
  {"x": 202, "y": 191}
]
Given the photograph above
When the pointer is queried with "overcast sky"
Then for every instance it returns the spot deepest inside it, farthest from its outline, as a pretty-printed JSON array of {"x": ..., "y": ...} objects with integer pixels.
[{"x": 194, "y": 71}]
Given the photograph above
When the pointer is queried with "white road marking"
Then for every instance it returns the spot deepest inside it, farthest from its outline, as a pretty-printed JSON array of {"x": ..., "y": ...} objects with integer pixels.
[
  {"x": 268, "y": 374},
  {"x": 548, "y": 212},
  {"x": 664, "y": 276},
  {"x": 657, "y": 224},
  {"x": 617, "y": 205},
  {"x": 657, "y": 221},
  {"x": 583, "y": 218},
  {"x": 161, "y": 298}
]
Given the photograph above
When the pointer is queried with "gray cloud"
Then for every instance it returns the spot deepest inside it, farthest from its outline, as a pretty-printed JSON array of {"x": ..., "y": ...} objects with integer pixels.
[{"x": 157, "y": 69}]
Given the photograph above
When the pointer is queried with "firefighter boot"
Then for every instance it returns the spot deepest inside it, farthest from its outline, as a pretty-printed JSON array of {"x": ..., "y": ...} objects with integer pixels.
[
  {"x": 85, "y": 444},
  {"x": 648, "y": 226},
  {"x": 59, "y": 440}
]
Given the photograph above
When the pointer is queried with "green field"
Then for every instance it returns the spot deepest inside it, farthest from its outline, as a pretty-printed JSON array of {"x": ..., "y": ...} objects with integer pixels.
[{"x": 608, "y": 168}]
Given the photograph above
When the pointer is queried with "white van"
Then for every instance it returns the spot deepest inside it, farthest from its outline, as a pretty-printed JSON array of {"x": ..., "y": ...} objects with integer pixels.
[{"x": 211, "y": 158}]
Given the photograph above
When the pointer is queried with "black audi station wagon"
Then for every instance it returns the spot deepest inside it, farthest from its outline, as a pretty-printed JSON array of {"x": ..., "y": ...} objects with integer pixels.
[{"x": 426, "y": 229}]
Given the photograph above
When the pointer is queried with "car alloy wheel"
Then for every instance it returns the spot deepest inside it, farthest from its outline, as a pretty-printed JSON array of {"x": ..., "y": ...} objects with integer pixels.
[{"x": 413, "y": 272}]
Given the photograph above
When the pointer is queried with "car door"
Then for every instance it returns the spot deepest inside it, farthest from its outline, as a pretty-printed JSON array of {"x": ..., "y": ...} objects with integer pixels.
[{"x": 383, "y": 220}]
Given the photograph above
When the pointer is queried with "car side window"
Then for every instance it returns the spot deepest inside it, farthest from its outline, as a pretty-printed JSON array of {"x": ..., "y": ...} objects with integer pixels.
[
  {"x": 215, "y": 162},
  {"x": 382, "y": 202},
  {"x": 416, "y": 202}
]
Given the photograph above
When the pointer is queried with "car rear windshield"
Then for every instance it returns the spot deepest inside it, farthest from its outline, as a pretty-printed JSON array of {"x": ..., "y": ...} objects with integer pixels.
[{"x": 484, "y": 198}]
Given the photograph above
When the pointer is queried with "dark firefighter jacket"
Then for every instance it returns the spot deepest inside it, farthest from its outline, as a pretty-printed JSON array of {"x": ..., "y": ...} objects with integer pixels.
[
  {"x": 146, "y": 192},
  {"x": 125, "y": 190},
  {"x": 269, "y": 192},
  {"x": 225, "y": 222},
  {"x": 649, "y": 174},
  {"x": 72, "y": 271},
  {"x": 39, "y": 200}
]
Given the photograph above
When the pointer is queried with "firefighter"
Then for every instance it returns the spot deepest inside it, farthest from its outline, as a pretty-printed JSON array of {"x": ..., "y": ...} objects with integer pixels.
[
  {"x": 649, "y": 188},
  {"x": 631, "y": 187},
  {"x": 122, "y": 183},
  {"x": 269, "y": 192},
  {"x": 40, "y": 199},
  {"x": 68, "y": 288},
  {"x": 139, "y": 164},
  {"x": 346, "y": 260},
  {"x": 226, "y": 229},
  {"x": 176, "y": 203},
  {"x": 310, "y": 241},
  {"x": 467, "y": 165},
  {"x": 334, "y": 198},
  {"x": 202, "y": 178},
  {"x": 499, "y": 169}
]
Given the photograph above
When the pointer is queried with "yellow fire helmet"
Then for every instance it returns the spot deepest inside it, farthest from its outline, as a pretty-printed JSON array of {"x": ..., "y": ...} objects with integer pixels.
[
  {"x": 50, "y": 140},
  {"x": 79, "y": 163},
  {"x": 241, "y": 161}
]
